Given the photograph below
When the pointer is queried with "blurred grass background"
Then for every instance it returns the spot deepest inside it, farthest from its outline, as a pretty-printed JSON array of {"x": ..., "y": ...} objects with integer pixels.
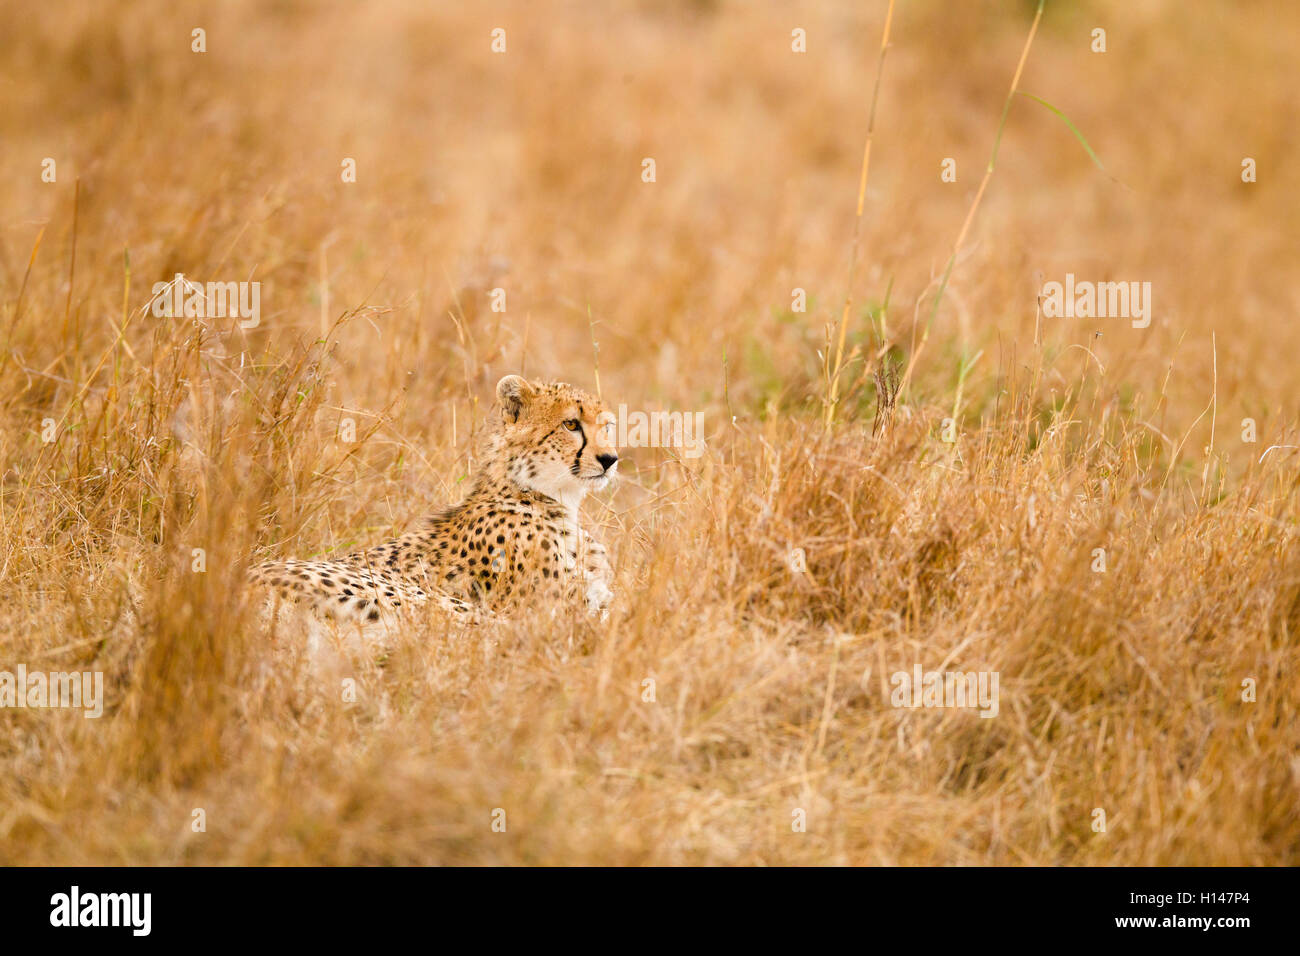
[{"x": 522, "y": 170}]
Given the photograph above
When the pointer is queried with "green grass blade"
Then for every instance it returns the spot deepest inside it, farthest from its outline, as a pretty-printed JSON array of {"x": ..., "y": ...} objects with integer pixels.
[{"x": 1073, "y": 129}]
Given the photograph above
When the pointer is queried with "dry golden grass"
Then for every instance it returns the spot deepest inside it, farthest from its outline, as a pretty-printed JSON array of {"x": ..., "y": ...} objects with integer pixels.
[{"x": 1119, "y": 690}]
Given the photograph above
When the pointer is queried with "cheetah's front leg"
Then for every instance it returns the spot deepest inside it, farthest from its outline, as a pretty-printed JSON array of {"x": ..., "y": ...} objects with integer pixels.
[{"x": 597, "y": 574}]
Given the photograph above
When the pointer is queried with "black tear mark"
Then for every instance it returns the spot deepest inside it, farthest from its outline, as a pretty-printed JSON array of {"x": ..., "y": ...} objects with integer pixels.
[{"x": 577, "y": 459}]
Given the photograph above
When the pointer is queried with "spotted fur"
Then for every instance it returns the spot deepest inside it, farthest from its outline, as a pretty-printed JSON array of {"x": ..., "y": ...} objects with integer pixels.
[{"x": 517, "y": 533}]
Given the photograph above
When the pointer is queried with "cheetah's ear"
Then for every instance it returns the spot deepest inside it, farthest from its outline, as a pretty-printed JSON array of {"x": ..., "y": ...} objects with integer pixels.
[{"x": 514, "y": 392}]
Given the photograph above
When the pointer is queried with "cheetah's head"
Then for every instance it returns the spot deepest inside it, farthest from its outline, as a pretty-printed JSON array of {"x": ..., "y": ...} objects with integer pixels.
[{"x": 555, "y": 439}]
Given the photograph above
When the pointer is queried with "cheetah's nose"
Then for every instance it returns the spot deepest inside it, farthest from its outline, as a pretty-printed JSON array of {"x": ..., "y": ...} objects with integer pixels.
[{"x": 607, "y": 461}]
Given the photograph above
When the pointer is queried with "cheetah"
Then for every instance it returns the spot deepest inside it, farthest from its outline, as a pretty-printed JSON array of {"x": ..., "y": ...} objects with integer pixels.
[{"x": 516, "y": 534}]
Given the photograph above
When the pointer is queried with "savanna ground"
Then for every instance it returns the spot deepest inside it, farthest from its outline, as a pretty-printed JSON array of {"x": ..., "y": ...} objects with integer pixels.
[{"x": 1120, "y": 690}]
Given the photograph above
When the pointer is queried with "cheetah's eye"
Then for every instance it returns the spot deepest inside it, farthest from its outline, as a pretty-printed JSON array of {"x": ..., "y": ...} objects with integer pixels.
[{"x": 572, "y": 424}]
